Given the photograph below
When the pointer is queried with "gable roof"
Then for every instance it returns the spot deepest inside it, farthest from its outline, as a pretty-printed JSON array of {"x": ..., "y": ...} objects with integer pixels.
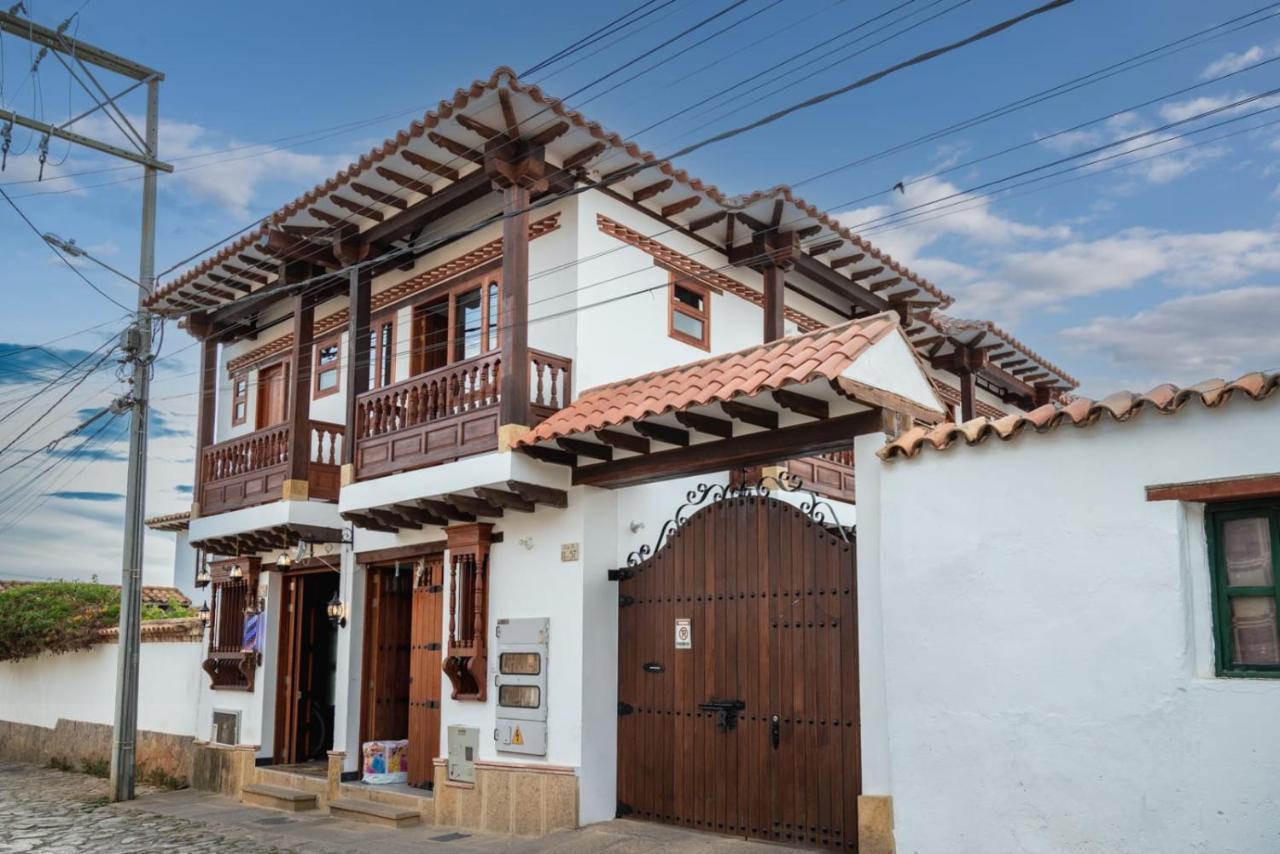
[
  {"x": 1080, "y": 412},
  {"x": 450, "y": 140}
]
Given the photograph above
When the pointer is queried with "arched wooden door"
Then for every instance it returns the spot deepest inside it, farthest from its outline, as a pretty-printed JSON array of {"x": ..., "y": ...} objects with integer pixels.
[{"x": 746, "y": 723}]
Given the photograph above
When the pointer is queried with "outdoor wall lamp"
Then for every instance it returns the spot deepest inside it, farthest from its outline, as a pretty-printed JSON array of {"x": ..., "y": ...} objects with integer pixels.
[
  {"x": 235, "y": 571},
  {"x": 203, "y": 575},
  {"x": 203, "y": 614},
  {"x": 284, "y": 561},
  {"x": 337, "y": 611}
]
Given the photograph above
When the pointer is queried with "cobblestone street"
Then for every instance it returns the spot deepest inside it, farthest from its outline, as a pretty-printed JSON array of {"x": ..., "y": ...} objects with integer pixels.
[{"x": 59, "y": 812}]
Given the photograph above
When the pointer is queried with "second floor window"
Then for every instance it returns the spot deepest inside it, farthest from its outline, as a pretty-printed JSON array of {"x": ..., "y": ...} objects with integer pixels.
[
  {"x": 1244, "y": 552},
  {"x": 382, "y": 354},
  {"x": 689, "y": 313},
  {"x": 326, "y": 369},
  {"x": 457, "y": 325},
  {"x": 239, "y": 398}
]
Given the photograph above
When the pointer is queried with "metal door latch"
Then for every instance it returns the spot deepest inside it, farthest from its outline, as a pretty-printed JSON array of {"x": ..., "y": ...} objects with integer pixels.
[
  {"x": 726, "y": 712},
  {"x": 775, "y": 731}
]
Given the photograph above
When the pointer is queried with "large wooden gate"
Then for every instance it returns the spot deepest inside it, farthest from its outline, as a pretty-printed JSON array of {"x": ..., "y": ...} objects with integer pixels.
[{"x": 749, "y": 724}]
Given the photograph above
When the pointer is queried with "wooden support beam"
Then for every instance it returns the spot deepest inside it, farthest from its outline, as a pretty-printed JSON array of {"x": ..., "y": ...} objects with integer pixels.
[
  {"x": 550, "y": 455},
  {"x": 838, "y": 284},
  {"x": 707, "y": 221},
  {"x": 778, "y": 206},
  {"x": 708, "y": 424},
  {"x": 426, "y": 164},
  {"x": 625, "y": 441},
  {"x": 300, "y": 393},
  {"x": 750, "y": 414},
  {"x": 766, "y": 447},
  {"x": 326, "y": 217},
  {"x": 903, "y": 296},
  {"x": 774, "y": 303},
  {"x": 506, "y": 500},
  {"x": 380, "y": 196},
  {"x": 550, "y": 134},
  {"x": 586, "y": 449},
  {"x": 471, "y": 504},
  {"x": 1015, "y": 363},
  {"x": 509, "y": 113},
  {"x": 580, "y": 157},
  {"x": 390, "y": 516},
  {"x": 652, "y": 190},
  {"x": 257, "y": 263},
  {"x": 359, "y": 302},
  {"x": 661, "y": 433},
  {"x": 810, "y": 231},
  {"x": 242, "y": 287},
  {"x": 681, "y": 206},
  {"x": 458, "y": 195},
  {"x": 420, "y": 515},
  {"x": 547, "y": 495},
  {"x": 859, "y": 275},
  {"x": 445, "y": 510},
  {"x": 400, "y": 179},
  {"x": 357, "y": 208},
  {"x": 457, "y": 149},
  {"x": 242, "y": 273},
  {"x": 823, "y": 248},
  {"x": 968, "y": 394},
  {"x": 476, "y": 126},
  {"x": 802, "y": 404},
  {"x": 845, "y": 260}
]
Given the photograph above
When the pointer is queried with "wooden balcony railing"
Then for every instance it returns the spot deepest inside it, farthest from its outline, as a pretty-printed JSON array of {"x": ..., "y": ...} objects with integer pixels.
[
  {"x": 449, "y": 413},
  {"x": 829, "y": 474},
  {"x": 250, "y": 469}
]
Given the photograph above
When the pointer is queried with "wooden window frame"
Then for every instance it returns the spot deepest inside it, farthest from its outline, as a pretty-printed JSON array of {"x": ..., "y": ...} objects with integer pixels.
[
  {"x": 333, "y": 340},
  {"x": 286, "y": 363},
  {"x": 1224, "y": 647},
  {"x": 476, "y": 280},
  {"x": 380, "y": 348},
  {"x": 240, "y": 397},
  {"x": 674, "y": 305}
]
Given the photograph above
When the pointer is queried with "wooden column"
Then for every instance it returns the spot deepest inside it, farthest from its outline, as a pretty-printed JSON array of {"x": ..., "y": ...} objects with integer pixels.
[
  {"x": 207, "y": 403},
  {"x": 360, "y": 294},
  {"x": 518, "y": 170},
  {"x": 774, "y": 298},
  {"x": 968, "y": 392},
  {"x": 296, "y": 486}
]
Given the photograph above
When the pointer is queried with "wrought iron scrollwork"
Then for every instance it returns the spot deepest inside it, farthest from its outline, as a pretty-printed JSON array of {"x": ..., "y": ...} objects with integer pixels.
[{"x": 817, "y": 509}]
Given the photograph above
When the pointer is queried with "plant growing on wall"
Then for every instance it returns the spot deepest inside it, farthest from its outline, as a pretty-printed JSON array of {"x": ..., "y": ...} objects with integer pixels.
[{"x": 60, "y": 616}]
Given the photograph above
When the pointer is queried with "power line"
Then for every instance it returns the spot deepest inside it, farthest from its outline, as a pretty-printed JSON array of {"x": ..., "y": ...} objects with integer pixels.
[{"x": 582, "y": 42}]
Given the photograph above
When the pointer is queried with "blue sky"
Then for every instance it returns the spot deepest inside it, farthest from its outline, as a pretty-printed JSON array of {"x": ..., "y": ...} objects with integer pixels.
[{"x": 1164, "y": 270}]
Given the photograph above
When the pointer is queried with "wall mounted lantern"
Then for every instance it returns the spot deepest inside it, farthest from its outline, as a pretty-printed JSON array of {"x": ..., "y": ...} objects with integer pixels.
[{"x": 337, "y": 611}]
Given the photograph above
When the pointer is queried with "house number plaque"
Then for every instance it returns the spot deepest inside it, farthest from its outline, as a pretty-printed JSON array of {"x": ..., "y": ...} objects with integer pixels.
[{"x": 684, "y": 633}]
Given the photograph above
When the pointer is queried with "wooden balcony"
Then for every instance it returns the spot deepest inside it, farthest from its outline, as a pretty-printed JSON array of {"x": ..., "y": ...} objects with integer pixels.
[
  {"x": 251, "y": 469},
  {"x": 444, "y": 415},
  {"x": 829, "y": 474}
]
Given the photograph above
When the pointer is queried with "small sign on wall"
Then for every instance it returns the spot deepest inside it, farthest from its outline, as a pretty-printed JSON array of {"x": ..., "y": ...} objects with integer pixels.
[
  {"x": 568, "y": 552},
  {"x": 684, "y": 633}
]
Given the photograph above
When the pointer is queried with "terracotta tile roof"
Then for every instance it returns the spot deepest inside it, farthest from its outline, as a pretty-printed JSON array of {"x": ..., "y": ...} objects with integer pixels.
[
  {"x": 972, "y": 331},
  {"x": 177, "y": 630},
  {"x": 610, "y": 143},
  {"x": 170, "y": 522},
  {"x": 822, "y": 354},
  {"x": 151, "y": 595},
  {"x": 1080, "y": 412}
]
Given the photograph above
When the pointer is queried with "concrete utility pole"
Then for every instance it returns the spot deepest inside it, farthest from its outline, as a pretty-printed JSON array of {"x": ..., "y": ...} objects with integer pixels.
[{"x": 136, "y": 340}]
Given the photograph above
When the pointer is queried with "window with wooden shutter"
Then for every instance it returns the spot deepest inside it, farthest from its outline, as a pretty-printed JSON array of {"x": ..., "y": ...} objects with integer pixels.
[
  {"x": 689, "y": 313},
  {"x": 1244, "y": 551},
  {"x": 466, "y": 660},
  {"x": 231, "y": 661},
  {"x": 239, "y": 398}
]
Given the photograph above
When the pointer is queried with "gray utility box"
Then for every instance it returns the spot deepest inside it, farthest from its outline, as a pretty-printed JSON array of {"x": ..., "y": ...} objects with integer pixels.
[
  {"x": 464, "y": 745},
  {"x": 521, "y": 680}
]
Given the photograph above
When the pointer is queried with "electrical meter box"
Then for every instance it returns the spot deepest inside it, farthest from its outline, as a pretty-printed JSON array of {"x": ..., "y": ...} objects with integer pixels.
[
  {"x": 464, "y": 746},
  {"x": 521, "y": 679}
]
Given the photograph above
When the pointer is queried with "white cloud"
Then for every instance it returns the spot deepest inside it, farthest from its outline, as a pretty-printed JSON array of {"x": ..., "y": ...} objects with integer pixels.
[
  {"x": 1230, "y": 62},
  {"x": 1188, "y": 338}
]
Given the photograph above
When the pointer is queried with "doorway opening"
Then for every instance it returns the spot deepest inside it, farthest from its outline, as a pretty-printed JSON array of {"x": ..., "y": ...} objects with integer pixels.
[{"x": 307, "y": 682}]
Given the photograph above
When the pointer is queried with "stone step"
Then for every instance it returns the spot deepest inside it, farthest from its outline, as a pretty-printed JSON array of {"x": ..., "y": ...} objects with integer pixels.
[
  {"x": 277, "y": 797},
  {"x": 374, "y": 813}
]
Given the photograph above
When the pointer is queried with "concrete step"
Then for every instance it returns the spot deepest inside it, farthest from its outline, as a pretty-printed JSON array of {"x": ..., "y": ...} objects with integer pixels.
[
  {"x": 374, "y": 813},
  {"x": 277, "y": 797}
]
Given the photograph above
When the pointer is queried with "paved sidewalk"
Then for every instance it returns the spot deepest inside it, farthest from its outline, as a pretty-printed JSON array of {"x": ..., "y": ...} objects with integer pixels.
[{"x": 50, "y": 812}]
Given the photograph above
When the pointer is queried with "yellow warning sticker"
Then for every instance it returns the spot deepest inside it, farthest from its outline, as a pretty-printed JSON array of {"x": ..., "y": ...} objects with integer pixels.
[{"x": 517, "y": 738}]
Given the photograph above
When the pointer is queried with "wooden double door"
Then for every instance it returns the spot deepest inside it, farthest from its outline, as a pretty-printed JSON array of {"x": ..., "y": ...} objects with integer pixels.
[
  {"x": 401, "y": 688},
  {"x": 738, "y": 678}
]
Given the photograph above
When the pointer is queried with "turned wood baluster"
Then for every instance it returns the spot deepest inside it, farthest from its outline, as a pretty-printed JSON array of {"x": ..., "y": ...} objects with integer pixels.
[
  {"x": 477, "y": 619},
  {"x": 557, "y": 376},
  {"x": 413, "y": 405},
  {"x": 537, "y": 373}
]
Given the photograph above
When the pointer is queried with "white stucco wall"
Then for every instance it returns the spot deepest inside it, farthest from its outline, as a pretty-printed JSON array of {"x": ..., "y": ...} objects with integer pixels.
[
  {"x": 80, "y": 686},
  {"x": 1049, "y": 674}
]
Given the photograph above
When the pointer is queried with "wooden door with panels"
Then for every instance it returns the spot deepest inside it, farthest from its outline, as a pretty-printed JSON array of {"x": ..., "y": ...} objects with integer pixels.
[
  {"x": 425, "y": 677},
  {"x": 384, "y": 713},
  {"x": 273, "y": 395},
  {"x": 306, "y": 689},
  {"x": 738, "y": 675}
]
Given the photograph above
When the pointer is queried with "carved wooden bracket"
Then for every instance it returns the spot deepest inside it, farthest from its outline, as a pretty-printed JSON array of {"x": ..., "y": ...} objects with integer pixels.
[
  {"x": 466, "y": 658},
  {"x": 515, "y": 164}
]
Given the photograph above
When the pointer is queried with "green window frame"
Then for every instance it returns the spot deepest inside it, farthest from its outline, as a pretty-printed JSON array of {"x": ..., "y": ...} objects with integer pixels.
[{"x": 1258, "y": 598}]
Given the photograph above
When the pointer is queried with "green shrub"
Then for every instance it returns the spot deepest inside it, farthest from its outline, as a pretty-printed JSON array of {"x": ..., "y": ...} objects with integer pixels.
[
  {"x": 59, "y": 763},
  {"x": 96, "y": 767},
  {"x": 64, "y": 616}
]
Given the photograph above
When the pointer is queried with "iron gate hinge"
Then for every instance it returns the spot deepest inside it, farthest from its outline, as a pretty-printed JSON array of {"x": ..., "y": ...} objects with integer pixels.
[
  {"x": 624, "y": 601},
  {"x": 625, "y": 708},
  {"x": 624, "y": 809},
  {"x": 621, "y": 574}
]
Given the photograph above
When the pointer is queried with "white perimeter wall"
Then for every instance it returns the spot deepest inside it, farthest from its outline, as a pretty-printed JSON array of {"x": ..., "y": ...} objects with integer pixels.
[
  {"x": 80, "y": 686},
  {"x": 1048, "y": 651}
]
